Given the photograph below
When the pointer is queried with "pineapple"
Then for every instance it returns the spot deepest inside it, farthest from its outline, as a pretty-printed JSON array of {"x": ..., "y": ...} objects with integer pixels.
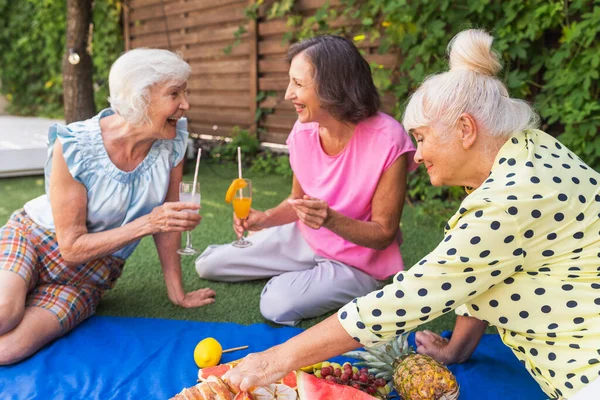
[{"x": 415, "y": 376}]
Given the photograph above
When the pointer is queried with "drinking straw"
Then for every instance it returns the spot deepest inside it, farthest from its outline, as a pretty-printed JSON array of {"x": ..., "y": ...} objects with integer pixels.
[
  {"x": 239, "y": 162},
  {"x": 196, "y": 172},
  {"x": 240, "y": 167}
]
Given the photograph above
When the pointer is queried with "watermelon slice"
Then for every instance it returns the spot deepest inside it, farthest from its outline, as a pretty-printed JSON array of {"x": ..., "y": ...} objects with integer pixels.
[{"x": 312, "y": 388}]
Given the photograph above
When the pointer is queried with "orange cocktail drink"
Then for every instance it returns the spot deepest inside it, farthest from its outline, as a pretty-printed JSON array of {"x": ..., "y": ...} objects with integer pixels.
[
  {"x": 241, "y": 206},
  {"x": 240, "y": 195}
]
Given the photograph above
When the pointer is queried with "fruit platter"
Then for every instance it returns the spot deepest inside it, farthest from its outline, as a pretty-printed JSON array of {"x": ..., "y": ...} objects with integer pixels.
[{"x": 389, "y": 370}]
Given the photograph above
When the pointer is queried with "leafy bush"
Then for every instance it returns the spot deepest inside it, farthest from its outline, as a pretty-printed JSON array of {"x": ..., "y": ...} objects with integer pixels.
[
  {"x": 258, "y": 160},
  {"x": 32, "y": 44},
  {"x": 271, "y": 163},
  {"x": 227, "y": 151},
  {"x": 551, "y": 51}
]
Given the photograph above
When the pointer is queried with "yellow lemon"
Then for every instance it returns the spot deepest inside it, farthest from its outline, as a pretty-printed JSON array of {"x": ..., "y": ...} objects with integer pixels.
[{"x": 208, "y": 353}]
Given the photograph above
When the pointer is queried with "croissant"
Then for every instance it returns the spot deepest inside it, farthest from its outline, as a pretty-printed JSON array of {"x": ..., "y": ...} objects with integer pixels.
[{"x": 212, "y": 389}]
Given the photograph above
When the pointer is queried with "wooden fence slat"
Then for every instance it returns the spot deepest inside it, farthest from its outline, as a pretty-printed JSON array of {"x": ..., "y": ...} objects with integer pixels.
[
  {"x": 126, "y": 33},
  {"x": 387, "y": 60},
  {"x": 273, "y": 27},
  {"x": 273, "y": 65},
  {"x": 205, "y": 35},
  {"x": 300, "y": 5},
  {"x": 278, "y": 48},
  {"x": 312, "y": 4},
  {"x": 274, "y": 136},
  {"x": 277, "y": 83},
  {"x": 277, "y": 102},
  {"x": 147, "y": 3},
  {"x": 271, "y": 47},
  {"x": 282, "y": 121},
  {"x": 216, "y": 51},
  {"x": 220, "y": 67},
  {"x": 175, "y": 8},
  {"x": 218, "y": 83},
  {"x": 221, "y": 115},
  {"x": 227, "y": 14},
  {"x": 214, "y": 129},
  {"x": 240, "y": 100},
  {"x": 254, "y": 68}
]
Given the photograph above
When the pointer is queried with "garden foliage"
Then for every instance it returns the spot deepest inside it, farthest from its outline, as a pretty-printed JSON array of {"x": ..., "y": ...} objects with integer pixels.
[
  {"x": 32, "y": 45},
  {"x": 550, "y": 48}
]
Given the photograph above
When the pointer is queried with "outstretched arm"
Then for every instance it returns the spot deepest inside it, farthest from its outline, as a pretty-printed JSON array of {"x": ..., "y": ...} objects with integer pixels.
[
  {"x": 324, "y": 340},
  {"x": 68, "y": 198}
]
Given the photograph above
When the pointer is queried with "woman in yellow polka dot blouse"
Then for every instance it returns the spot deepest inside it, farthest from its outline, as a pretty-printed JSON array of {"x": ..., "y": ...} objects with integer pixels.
[{"x": 522, "y": 253}]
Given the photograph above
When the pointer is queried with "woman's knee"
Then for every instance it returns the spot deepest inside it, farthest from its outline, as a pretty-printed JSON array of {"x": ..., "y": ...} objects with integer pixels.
[
  {"x": 11, "y": 313},
  {"x": 11, "y": 351},
  {"x": 212, "y": 263},
  {"x": 279, "y": 306},
  {"x": 206, "y": 267},
  {"x": 276, "y": 310}
]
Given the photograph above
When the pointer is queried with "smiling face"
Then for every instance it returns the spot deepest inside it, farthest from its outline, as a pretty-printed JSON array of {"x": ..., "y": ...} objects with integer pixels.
[
  {"x": 442, "y": 155},
  {"x": 302, "y": 91},
  {"x": 168, "y": 103}
]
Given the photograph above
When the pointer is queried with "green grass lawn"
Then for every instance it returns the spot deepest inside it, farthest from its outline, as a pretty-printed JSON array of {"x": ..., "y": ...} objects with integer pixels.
[{"x": 140, "y": 292}]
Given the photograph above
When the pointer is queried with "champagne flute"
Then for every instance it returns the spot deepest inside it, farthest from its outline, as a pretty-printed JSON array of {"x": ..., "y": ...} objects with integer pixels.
[
  {"x": 242, "y": 201},
  {"x": 189, "y": 194}
]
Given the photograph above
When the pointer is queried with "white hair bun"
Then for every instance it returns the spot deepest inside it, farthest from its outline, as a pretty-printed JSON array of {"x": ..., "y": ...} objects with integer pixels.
[{"x": 472, "y": 50}]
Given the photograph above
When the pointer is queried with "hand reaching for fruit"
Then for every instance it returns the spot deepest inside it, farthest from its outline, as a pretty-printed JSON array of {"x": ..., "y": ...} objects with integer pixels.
[
  {"x": 433, "y": 345},
  {"x": 257, "y": 369}
]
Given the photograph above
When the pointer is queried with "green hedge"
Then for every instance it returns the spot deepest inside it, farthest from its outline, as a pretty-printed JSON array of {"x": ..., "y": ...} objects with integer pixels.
[
  {"x": 32, "y": 44},
  {"x": 551, "y": 51},
  {"x": 550, "y": 48}
]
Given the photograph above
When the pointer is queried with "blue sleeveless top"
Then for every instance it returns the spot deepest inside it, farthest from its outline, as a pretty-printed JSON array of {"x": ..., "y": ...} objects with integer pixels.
[{"x": 114, "y": 197}]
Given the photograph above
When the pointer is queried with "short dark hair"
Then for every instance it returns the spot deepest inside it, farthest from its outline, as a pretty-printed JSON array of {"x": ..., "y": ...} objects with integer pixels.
[{"x": 342, "y": 76}]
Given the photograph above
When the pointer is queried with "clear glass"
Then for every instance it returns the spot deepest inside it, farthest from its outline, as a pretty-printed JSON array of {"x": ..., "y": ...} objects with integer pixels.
[
  {"x": 242, "y": 201},
  {"x": 185, "y": 195}
]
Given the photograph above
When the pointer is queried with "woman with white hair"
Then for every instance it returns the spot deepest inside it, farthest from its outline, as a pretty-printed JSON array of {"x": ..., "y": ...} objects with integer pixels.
[
  {"x": 521, "y": 253},
  {"x": 110, "y": 181}
]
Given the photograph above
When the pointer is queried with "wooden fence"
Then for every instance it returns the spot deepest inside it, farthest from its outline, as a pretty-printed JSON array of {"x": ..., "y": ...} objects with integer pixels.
[{"x": 224, "y": 87}]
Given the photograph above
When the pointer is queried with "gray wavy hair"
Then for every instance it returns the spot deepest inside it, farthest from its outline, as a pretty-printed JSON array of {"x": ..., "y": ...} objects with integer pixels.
[{"x": 133, "y": 75}]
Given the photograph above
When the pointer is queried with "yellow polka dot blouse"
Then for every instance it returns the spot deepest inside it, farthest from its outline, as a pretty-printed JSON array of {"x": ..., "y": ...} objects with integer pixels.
[{"x": 522, "y": 253}]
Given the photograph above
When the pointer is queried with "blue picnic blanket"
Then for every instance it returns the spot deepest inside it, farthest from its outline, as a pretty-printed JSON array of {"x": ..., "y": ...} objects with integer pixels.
[{"x": 141, "y": 358}]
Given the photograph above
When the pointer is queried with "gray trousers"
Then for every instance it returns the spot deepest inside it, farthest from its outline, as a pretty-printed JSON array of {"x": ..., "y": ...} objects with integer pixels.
[{"x": 302, "y": 285}]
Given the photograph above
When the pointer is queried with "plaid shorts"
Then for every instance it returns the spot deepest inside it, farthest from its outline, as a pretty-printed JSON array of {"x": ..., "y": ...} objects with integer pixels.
[{"x": 71, "y": 293}]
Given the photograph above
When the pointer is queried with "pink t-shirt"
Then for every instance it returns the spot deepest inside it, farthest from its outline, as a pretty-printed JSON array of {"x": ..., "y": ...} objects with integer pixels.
[{"x": 347, "y": 182}]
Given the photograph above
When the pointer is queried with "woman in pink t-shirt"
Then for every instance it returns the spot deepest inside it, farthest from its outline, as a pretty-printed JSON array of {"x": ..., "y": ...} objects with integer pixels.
[{"x": 337, "y": 236}]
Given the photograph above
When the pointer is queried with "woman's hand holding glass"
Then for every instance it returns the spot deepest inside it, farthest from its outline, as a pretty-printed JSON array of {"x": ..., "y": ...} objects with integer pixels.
[
  {"x": 174, "y": 217},
  {"x": 242, "y": 201},
  {"x": 255, "y": 221},
  {"x": 189, "y": 192}
]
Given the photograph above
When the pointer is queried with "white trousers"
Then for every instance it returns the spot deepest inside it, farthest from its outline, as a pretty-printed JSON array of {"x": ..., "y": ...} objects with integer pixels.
[{"x": 302, "y": 285}]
